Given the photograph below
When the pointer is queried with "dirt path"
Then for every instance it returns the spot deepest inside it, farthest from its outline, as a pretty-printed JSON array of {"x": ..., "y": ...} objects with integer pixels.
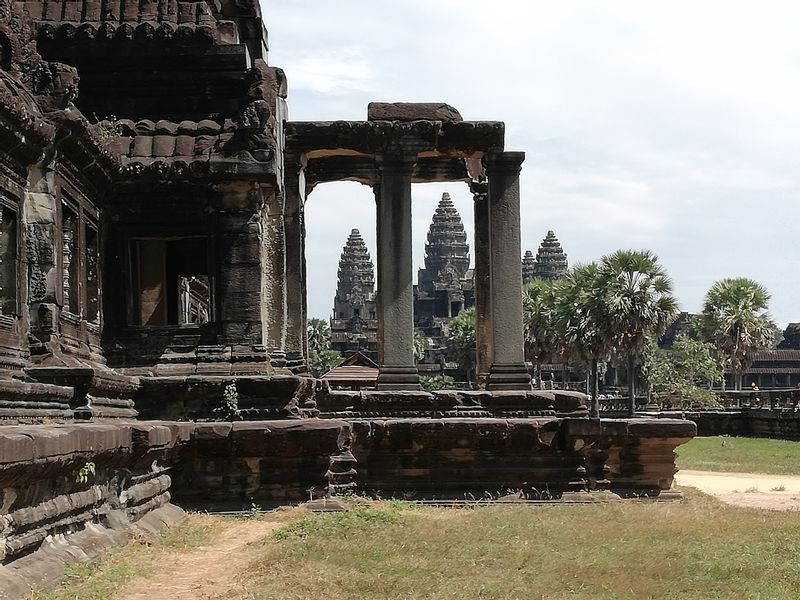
[
  {"x": 773, "y": 492},
  {"x": 212, "y": 571}
]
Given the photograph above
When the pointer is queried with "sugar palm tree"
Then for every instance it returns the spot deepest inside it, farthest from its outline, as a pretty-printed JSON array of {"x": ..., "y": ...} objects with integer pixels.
[
  {"x": 540, "y": 339},
  {"x": 735, "y": 319},
  {"x": 319, "y": 335},
  {"x": 579, "y": 321},
  {"x": 638, "y": 303},
  {"x": 460, "y": 341}
]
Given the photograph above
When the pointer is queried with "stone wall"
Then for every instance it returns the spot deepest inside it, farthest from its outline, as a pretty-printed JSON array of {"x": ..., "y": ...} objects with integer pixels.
[
  {"x": 67, "y": 492},
  {"x": 236, "y": 465},
  {"x": 779, "y": 424}
]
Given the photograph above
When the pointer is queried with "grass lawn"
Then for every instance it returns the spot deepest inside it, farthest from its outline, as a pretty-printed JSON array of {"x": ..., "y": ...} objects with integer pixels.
[
  {"x": 694, "y": 549},
  {"x": 741, "y": 455}
]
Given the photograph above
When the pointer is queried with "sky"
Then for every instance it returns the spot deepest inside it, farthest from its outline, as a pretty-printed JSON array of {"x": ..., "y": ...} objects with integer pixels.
[{"x": 672, "y": 126}]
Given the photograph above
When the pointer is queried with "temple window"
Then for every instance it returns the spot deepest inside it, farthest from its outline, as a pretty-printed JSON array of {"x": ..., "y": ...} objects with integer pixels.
[
  {"x": 80, "y": 257},
  {"x": 8, "y": 261},
  {"x": 92, "y": 276},
  {"x": 5, "y": 52},
  {"x": 171, "y": 282},
  {"x": 70, "y": 257}
]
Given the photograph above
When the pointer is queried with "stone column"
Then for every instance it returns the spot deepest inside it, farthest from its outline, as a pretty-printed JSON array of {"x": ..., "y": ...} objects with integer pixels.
[
  {"x": 508, "y": 370},
  {"x": 295, "y": 271},
  {"x": 273, "y": 276},
  {"x": 483, "y": 308},
  {"x": 395, "y": 274}
]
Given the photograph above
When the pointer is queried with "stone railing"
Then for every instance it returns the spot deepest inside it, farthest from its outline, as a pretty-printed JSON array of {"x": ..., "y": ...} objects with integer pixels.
[{"x": 773, "y": 399}]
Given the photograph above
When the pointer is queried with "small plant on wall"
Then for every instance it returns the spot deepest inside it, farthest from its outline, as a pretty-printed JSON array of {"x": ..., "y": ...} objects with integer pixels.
[
  {"x": 229, "y": 407},
  {"x": 85, "y": 473}
]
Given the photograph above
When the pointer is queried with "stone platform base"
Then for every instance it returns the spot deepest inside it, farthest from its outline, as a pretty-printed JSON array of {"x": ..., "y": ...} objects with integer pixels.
[
  {"x": 44, "y": 568},
  {"x": 232, "y": 466},
  {"x": 69, "y": 491}
]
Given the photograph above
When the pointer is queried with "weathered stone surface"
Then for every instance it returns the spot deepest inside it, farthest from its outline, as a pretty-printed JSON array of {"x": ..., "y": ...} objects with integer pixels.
[
  {"x": 200, "y": 397},
  {"x": 446, "y": 403},
  {"x": 412, "y": 111},
  {"x": 50, "y": 517},
  {"x": 233, "y": 466}
]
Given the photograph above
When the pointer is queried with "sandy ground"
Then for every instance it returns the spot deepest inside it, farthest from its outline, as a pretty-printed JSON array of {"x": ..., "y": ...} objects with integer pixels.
[
  {"x": 204, "y": 573},
  {"x": 773, "y": 492}
]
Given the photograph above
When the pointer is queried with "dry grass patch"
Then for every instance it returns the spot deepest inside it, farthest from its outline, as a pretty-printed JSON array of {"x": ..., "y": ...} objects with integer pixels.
[
  {"x": 695, "y": 549},
  {"x": 685, "y": 550},
  {"x": 141, "y": 557}
]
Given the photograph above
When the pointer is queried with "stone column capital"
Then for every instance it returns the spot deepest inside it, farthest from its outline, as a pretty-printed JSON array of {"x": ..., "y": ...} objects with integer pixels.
[
  {"x": 506, "y": 163},
  {"x": 396, "y": 163},
  {"x": 479, "y": 189}
]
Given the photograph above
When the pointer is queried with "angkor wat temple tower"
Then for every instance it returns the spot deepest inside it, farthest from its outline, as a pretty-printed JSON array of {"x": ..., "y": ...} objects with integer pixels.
[
  {"x": 528, "y": 266},
  {"x": 446, "y": 285},
  {"x": 551, "y": 261},
  {"x": 353, "y": 324}
]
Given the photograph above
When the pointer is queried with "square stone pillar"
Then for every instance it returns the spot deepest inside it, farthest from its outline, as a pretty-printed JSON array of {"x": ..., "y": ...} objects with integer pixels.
[
  {"x": 395, "y": 302},
  {"x": 508, "y": 370},
  {"x": 294, "y": 231},
  {"x": 483, "y": 300}
]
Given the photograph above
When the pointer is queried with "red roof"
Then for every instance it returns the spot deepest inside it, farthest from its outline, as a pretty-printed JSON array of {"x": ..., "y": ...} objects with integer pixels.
[{"x": 356, "y": 371}]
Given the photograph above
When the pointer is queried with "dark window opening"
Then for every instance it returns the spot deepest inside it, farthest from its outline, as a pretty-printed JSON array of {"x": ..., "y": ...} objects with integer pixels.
[
  {"x": 92, "y": 276},
  {"x": 356, "y": 312},
  {"x": 171, "y": 281},
  {"x": 455, "y": 308},
  {"x": 71, "y": 261},
  {"x": 8, "y": 261}
]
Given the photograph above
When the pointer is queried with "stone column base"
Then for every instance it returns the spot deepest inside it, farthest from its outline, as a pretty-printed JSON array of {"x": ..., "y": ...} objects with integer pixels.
[
  {"x": 398, "y": 378},
  {"x": 509, "y": 377}
]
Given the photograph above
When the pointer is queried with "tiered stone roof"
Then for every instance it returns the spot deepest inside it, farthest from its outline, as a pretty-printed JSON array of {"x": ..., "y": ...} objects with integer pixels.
[
  {"x": 356, "y": 272},
  {"x": 528, "y": 266},
  {"x": 447, "y": 251},
  {"x": 162, "y": 19},
  {"x": 551, "y": 261}
]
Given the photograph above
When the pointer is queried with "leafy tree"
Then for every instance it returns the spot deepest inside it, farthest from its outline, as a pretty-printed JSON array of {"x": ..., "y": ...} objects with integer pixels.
[
  {"x": 580, "y": 323},
  {"x": 637, "y": 302},
  {"x": 538, "y": 302},
  {"x": 681, "y": 377},
  {"x": 319, "y": 335},
  {"x": 420, "y": 345},
  {"x": 460, "y": 341},
  {"x": 321, "y": 358},
  {"x": 735, "y": 319},
  {"x": 320, "y": 363},
  {"x": 432, "y": 383}
]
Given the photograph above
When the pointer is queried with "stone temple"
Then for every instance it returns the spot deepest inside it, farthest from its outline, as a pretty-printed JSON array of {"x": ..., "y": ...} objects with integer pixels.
[
  {"x": 549, "y": 264},
  {"x": 152, "y": 194},
  {"x": 445, "y": 285},
  {"x": 354, "y": 327}
]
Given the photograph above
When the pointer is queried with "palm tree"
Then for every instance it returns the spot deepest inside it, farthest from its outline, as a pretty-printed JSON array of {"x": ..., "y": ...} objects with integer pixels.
[
  {"x": 460, "y": 341},
  {"x": 579, "y": 321},
  {"x": 735, "y": 319},
  {"x": 540, "y": 339},
  {"x": 638, "y": 302},
  {"x": 319, "y": 335}
]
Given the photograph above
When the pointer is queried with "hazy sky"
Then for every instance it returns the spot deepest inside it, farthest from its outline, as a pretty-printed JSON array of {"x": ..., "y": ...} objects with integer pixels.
[{"x": 673, "y": 126}]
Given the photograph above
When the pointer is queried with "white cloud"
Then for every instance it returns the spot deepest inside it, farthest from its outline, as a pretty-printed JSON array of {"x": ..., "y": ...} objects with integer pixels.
[{"x": 666, "y": 125}]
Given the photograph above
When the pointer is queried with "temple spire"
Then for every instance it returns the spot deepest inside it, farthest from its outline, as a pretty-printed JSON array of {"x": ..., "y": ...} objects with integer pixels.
[
  {"x": 528, "y": 266},
  {"x": 356, "y": 276},
  {"x": 353, "y": 324},
  {"x": 447, "y": 251},
  {"x": 551, "y": 261}
]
